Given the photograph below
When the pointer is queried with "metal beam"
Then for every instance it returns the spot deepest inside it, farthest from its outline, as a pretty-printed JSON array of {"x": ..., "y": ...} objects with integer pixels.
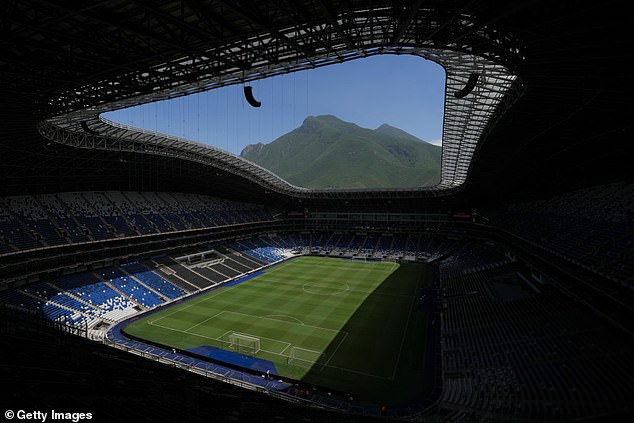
[
  {"x": 406, "y": 23},
  {"x": 345, "y": 37},
  {"x": 258, "y": 22},
  {"x": 69, "y": 14},
  {"x": 205, "y": 14}
]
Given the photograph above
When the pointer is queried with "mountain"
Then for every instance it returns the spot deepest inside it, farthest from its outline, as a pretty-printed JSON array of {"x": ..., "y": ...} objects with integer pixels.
[{"x": 327, "y": 152}]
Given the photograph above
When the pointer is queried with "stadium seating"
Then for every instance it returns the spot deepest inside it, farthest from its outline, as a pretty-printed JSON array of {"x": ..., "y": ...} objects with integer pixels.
[
  {"x": 90, "y": 289},
  {"x": 114, "y": 217},
  {"x": 59, "y": 308},
  {"x": 129, "y": 287},
  {"x": 115, "y": 292},
  {"x": 511, "y": 346},
  {"x": 35, "y": 219},
  {"x": 85, "y": 214},
  {"x": 15, "y": 236},
  {"x": 141, "y": 208},
  {"x": 28, "y": 222},
  {"x": 85, "y": 298},
  {"x": 60, "y": 214},
  {"x": 21, "y": 300},
  {"x": 152, "y": 280},
  {"x": 263, "y": 253},
  {"x": 53, "y": 304},
  {"x": 521, "y": 350},
  {"x": 133, "y": 215},
  {"x": 384, "y": 245},
  {"x": 592, "y": 227},
  {"x": 269, "y": 249}
]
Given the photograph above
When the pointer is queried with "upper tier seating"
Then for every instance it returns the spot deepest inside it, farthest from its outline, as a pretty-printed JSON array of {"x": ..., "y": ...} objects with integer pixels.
[
  {"x": 28, "y": 222},
  {"x": 522, "y": 349},
  {"x": 85, "y": 214},
  {"x": 592, "y": 227},
  {"x": 14, "y": 235},
  {"x": 62, "y": 216},
  {"x": 26, "y": 210}
]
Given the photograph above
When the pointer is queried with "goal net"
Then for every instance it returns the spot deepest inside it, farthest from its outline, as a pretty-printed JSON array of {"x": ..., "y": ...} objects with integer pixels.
[
  {"x": 304, "y": 358},
  {"x": 242, "y": 343}
]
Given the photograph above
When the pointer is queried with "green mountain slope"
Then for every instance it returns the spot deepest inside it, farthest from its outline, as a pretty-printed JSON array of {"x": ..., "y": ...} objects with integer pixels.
[{"x": 326, "y": 152}]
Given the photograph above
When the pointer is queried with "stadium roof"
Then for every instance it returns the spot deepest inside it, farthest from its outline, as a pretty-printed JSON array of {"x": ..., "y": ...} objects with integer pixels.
[{"x": 65, "y": 62}]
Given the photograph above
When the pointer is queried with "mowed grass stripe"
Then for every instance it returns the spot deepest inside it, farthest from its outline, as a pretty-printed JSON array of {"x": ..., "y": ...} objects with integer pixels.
[
  {"x": 357, "y": 313},
  {"x": 256, "y": 303},
  {"x": 262, "y": 298}
]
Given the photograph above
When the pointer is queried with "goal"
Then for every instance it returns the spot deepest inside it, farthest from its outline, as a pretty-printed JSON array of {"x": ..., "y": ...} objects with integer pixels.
[
  {"x": 303, "y": 357},
  {"x": 242, "y": 343}
]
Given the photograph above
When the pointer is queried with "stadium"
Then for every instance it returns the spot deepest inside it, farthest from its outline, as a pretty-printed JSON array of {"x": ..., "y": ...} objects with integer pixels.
[{"x": 149, "y": 277}]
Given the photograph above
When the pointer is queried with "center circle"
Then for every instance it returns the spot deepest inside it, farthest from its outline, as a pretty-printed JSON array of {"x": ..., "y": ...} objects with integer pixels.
[{"x": 325, "y": 288}]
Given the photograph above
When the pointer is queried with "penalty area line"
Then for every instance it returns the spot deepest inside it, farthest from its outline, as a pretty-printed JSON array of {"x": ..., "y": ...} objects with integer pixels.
[
  {"x": 204, "y": 321},
  {"x": 282, "y": 352},
  {"x": 335, "y": 351},
  {"x": 288, "y": 344}
]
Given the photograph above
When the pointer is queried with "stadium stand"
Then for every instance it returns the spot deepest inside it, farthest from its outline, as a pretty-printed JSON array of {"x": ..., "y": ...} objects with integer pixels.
[
  {"x": 118, "y": 291},
  {"x": 59, "y": 303},
  {"x": 142, "y": 208},
  {"x": 114, "y": 219},
  {"x": 168, "y": 210},
  {"x": 59, "y": 213},
  {"x": 129, "y": 287},
  {"x": 153, "y": 281},
  {"x": 427, "y": 247},
  {"x": 517, "y": 348},
  {"x": 21, "y": 300},
  {"x": 245, "y": 259},
  {"x": 87, "y": 287},
  {"x": 15, "y": 236},
  {"x": 263, "y": 253},
  {"x": 174, "y": 271},
  {"x": 27, "y": 211},
  {"x": 85, "y": 214},
  {"x": 132, "y": 215},
  {"x": 28, "y": 222},
  {"x": 592, "y": 227},
  {"x": 509, "y": 347},
  {"x": 88, "y": 298}
]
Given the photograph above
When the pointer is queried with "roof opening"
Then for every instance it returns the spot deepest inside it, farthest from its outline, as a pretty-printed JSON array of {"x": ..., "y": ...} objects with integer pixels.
[{"x": 368, "y": 123}]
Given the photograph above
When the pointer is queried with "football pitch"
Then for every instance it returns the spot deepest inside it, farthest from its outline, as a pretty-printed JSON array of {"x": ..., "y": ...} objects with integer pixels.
[{"x": 346, "y": 325}]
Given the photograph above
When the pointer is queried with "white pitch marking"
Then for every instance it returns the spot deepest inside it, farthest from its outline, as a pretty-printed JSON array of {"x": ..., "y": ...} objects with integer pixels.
[
  {"x": 283, "y": 321},
  {"x": 284, "y": 315},
  {"x": 335, "y": 351},
  {"x": 204, "y": 321}
]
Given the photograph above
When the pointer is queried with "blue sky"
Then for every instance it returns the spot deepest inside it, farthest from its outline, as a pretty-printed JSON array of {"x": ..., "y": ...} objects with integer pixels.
[{"x": 403, "y": 91}]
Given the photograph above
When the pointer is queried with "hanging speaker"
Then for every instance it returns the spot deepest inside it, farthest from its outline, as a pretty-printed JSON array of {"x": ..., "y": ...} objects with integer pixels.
[
  {"x": 471, "y": 83},
  {"x": 85, "y": 127},
  {"x": 248, "y": 94}
]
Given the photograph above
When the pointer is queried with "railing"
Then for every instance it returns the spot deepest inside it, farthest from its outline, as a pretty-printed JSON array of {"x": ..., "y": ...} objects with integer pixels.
[{"x": 213, "y": 375}]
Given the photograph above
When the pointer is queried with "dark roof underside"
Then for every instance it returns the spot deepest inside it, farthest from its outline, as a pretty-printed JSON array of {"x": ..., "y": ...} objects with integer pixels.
[{"x": 570, "y": 129}]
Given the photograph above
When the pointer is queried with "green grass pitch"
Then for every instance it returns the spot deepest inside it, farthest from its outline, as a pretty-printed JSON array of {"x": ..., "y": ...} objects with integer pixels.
[{"x": 360, "y": 318}]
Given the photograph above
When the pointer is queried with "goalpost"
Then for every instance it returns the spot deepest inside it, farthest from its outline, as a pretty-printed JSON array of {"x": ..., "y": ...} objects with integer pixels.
[
  {"x": 242, "y": 343},
  {"x": 303, "y": 357}
]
